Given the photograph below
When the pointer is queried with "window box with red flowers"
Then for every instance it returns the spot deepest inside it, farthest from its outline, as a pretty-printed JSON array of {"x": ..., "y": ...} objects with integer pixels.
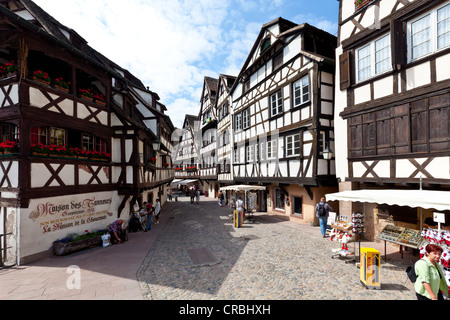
[
  {"x": 9, "y": 147},
  {"x": 165, "y": 165},
  {"x": 8, "y": 70},
  {"x": 152, "y": 161},
  {"x": 62, "y": 85},
  {"x": 99, "y": 99},
  {"x": 86, "y": 94},
  {"x": 98, "y": 156},
  {"x": 41, "y": 77},
  {"x": 361, "y": 3},
  {"x": 191, "y": 169},
  {"x": 178, "y": 169}
]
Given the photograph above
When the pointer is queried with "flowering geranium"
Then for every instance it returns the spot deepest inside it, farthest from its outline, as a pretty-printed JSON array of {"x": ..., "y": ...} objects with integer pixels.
[
  {"x": 10, "y": 146},
  {"x": 11, "y": 67},
  {"x": 86, "y": 93},
  {"x": 61, "y": 83},
  {"x": 39, "y": 74},
  {"x": 99, "y": 97},
  {"x": 98, "y": 155}
]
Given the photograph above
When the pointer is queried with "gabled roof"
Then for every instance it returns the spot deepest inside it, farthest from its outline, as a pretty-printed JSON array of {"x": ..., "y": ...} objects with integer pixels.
[{"x": 287, "y": 28}]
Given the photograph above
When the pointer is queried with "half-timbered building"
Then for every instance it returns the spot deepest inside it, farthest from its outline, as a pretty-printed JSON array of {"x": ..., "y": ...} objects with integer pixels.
[
  {"x": 224, "y": 130},
  {"x": 392, "y": 115},
  {"x": 186, "y": 152},
  {"x": 77, "y": 135},
  {"x": 208, "y": 126},
  {"x": 283, "y": 118}
]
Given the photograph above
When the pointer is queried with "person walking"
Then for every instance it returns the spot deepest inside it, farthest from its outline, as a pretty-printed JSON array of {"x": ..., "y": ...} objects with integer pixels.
[
  {"x": 430, "y": 281},
  {"x": 192, "y": 195},
  {"x": 221, "y": 198},
  {"x": 148, "y": 210},
  {"x": 322, "y": 212},
  {"x": 197, "y": 196},
  {"x": 157, "y": 210}
]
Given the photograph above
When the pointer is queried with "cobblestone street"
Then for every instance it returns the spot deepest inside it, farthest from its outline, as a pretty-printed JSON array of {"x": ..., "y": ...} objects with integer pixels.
[
  {"x": 195, "y": 253},
  {"x": 267, "y": 259}
]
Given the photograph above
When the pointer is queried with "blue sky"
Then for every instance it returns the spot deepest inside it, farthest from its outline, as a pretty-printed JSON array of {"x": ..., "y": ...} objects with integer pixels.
[{"x": 171, "y": 45}]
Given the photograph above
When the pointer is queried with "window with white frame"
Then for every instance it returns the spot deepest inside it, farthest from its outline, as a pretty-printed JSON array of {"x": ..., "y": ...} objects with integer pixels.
[
  {"x": 250, "y": 153},
  {"x": 238, "y": 121},
  {"x": 301, "y": 91},
  {"x": 374, "y": 58},
  {"x": 276, "y": 103},
  {"x": 429, "y": 33},
  {"x": 271, "y": 149},
  {"x": 293, "y": 145},
  {"x": 262, "y": 151},
  {"x": 245, "y": 119},
  {"x": 236, "y": 155}
]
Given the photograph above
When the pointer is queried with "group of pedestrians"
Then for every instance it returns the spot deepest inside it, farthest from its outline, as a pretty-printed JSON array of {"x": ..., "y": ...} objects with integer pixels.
[{"x": 195, "y": 195}]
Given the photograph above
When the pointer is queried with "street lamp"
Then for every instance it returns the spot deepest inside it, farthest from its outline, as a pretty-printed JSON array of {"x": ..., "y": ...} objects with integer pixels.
[
  {"x": 327, "y": 153},
  {"x": 156, "y": 145}
]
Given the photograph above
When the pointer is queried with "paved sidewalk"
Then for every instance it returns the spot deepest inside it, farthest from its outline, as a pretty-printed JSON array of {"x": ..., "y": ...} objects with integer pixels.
[
  {"x": 195, "y": 253},
  {"x": 106, "y": 273}
]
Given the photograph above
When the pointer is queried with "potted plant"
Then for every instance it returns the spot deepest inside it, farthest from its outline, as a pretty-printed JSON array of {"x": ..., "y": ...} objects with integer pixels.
[
  {"x": 41, "y": 76},
  {"x": 62, "y": 85},
  {"x": 86, "y": 94},
  {"x": 8, "y": 147}
]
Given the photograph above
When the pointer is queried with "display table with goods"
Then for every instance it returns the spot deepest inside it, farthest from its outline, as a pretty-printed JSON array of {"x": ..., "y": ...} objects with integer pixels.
[{"x": 405, "y": 237}]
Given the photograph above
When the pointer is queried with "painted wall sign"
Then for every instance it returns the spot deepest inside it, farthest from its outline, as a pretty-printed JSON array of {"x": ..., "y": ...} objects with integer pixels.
[{"x": 57, "y": 215}]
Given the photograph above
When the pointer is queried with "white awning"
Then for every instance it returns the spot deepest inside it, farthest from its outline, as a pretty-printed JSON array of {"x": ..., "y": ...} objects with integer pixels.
[
  {"x": 426, "y": 199},
  {"x": 185, "y": 182},
  {"x": 243, "y": 187}
]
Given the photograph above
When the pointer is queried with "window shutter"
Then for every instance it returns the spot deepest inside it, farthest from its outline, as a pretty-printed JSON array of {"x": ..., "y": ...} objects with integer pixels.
[
  {"x": 344, "y": 70},
  {"x": 398, "y": 44}
]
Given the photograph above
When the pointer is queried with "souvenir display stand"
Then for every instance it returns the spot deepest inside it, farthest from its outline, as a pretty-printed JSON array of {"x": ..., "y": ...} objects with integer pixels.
[
  {"x": 404, "y": 237},
  {"x": 345, "y": 231}
]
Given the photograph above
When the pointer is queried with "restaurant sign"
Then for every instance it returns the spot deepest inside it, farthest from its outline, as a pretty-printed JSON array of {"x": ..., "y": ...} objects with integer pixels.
[{"x": 54, "y": 215}]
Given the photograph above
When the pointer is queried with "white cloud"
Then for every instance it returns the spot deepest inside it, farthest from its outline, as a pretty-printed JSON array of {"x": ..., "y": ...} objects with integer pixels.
[{"x": 171, "y": 45}]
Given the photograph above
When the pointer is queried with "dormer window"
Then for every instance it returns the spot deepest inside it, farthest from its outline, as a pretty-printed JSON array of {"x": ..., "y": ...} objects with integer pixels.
[{"x": 265, "y": 44}]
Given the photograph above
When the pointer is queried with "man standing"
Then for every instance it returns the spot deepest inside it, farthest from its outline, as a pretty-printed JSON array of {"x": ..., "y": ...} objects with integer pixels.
[{"x": 322, "y": 212}]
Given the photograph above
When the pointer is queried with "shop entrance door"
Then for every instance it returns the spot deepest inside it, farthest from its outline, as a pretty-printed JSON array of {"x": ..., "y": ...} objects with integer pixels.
[{"x": 3, "y": 237}]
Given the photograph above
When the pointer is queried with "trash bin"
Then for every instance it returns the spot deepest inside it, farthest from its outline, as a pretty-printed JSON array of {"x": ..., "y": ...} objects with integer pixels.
[
  {"x": 238, "y": 218},
  {"x": 206, "y": 193}
]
